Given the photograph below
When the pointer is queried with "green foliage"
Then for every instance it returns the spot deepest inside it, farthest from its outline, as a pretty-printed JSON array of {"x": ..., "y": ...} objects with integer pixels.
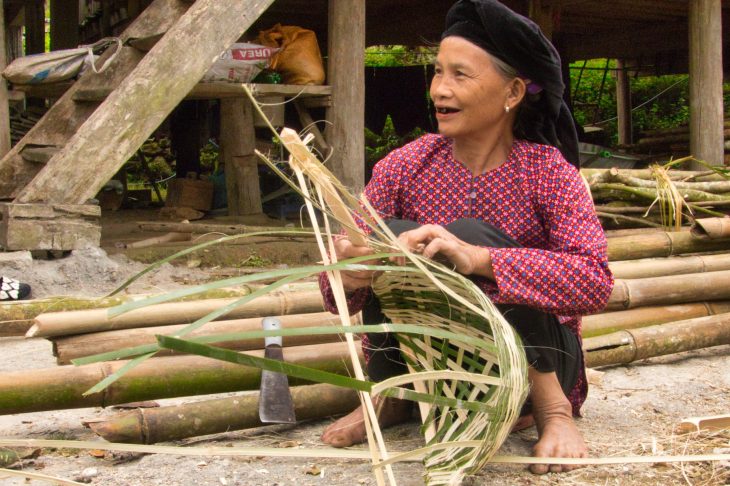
[
  {"x": 378, "y": 146},
  {"x": 394, "y": 56},
  {"x": 209, "y": 158}
]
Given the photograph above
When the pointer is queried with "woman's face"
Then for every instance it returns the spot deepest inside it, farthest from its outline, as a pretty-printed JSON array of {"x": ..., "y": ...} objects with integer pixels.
[{"x": 469, "y": 94}]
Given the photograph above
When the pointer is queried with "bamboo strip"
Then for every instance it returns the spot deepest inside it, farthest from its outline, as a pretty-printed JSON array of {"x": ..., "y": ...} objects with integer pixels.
[
  {"x": 39, "y": 477},
  {"x": 610, "y": 322},
  {"x": 67, "y": 348},
  {"x": 628, "y": 294},
  {"x": 172, "y": 376},
  {"x": 81, "y": 322},
  {"x": 661, "y": 244},
  {"x": 680, "y": 265},
  {"x": 153, "y": 425},
  {"x": 632, "y": 345},
  {"x": 227, "y": 229}
]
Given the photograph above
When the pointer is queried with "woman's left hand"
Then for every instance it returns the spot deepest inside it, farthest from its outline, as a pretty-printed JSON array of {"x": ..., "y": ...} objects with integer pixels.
[{"x": 431, "y": 240}]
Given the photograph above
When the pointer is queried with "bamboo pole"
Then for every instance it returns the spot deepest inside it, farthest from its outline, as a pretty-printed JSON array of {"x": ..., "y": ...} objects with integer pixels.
[
  {"x": 609, "y": 322},
  {"x": 623, "y": 192},
  {"x": 67, "y": 348},
  {"x": 153, "y": 425},
  {"x": 661, "y": 244},
  {"x": 694, "y": 287},
  {"x": 16, "y": 318},
  {"x": 679, "y": 265},
  {"x": 81, "y": 322},
  {"x": 62, "y": 387},
  {"x": 715, "y": 187},
  {"x": 602, "y": 175},
  {"x": 647, "y": 342},
  {"x": 714, "y": 228}
]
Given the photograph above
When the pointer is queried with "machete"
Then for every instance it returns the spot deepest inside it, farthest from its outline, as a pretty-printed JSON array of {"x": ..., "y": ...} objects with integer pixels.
[{"x": 275, "y": 402}]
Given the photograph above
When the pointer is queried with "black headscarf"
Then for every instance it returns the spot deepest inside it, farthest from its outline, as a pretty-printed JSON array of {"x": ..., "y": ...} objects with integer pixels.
[{"x": 516, "y": 40}]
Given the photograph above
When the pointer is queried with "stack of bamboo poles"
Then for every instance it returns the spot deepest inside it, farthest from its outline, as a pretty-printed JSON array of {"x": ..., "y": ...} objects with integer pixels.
[
  {"x": 629, "y": 198},
  {"x": 668, "y": 140},
  {"x": 670, "y": 295}
]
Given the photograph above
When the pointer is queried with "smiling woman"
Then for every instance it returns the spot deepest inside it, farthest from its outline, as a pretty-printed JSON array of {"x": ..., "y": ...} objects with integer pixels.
[{"x": 495, "y": 195}]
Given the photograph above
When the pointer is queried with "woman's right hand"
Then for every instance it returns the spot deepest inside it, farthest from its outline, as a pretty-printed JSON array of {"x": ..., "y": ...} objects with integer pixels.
[{"x": 355, "y": 279}]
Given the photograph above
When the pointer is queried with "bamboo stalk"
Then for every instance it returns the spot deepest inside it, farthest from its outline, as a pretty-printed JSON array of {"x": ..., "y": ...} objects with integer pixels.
[
  {"x": 16, "y": 318},
  {"x": 715, "y": 187},
  {"x": 632, "y": 345},
  {"x": 679, "y": 265},
  {"x": 602, "y": 175},
  {"x": 695, "y": 287},
  {"x": 62, "y": 387},
  {"x": 600, "y": 324},
  {"x": 622, "y": 192},
  {"x": 67, "y": 348},
  {"x": 153, "y": 425},
  {"x": 661, "y": 244},
  {"x": 81, "y": 322}
]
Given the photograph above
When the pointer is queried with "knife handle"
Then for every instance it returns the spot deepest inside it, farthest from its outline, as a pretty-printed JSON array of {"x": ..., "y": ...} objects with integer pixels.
[{"x": 271, "y": 324}]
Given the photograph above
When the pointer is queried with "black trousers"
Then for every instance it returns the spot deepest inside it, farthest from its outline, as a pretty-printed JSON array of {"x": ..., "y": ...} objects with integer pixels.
[{"x": 549, "y": 346}]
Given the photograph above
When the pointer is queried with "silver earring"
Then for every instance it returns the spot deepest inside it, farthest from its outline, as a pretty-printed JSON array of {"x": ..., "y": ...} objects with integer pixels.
[{"x": 506, "y": 108}]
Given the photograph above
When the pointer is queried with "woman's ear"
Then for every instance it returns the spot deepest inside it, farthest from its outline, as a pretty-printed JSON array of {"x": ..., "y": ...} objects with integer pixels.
[{"x": 517, "y": 90}]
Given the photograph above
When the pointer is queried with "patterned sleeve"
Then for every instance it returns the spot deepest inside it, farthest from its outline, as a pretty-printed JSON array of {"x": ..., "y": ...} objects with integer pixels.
[
  {"x": 383, "y": 193},
  {"x": 571, "y": 276}
]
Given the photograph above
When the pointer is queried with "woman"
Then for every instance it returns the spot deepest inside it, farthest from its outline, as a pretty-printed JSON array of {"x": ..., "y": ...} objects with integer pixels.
[{"x": 494, "y": 196}]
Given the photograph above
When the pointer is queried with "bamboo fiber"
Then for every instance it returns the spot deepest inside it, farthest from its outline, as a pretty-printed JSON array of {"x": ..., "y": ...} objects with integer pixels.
[
  {"x": 661, "y": 244},
  {"x": 81, "y": 322},
  {"x": 600, "y": 324},
  {"x": 153, "y": 425},
  {"x": 167, "y": 377},
  {"x": 692, "y": 287},
  {"x": 679, "y": 265},
  {"x": 70, "y": 347},
  {"x": 632, "y": 345}
]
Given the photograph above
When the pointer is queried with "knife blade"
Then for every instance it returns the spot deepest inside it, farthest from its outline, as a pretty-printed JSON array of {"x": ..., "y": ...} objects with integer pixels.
[{"x": 275, "y": 402}]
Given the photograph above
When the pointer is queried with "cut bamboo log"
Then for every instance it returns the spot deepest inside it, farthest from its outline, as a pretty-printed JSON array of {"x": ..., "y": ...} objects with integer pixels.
[
  {"x": 69, "y": 347},
  {"x": 81, "y": 322},
  {"x": 62, "y": 387},
  {"x": 600, "y": 324},
  {"x": 632, "y": 345},
  {"x": 16, "y": 318},
  {"x": 694, "y": 287},
  {"x": 679, "y": 265},
  {"x": 714, "y": 228},
  {"x": 153, "y": 425},
  {"x": 602, "y": 175},
  {"x": 622, "y": 192},
  {"x": 661, "y": 244}
]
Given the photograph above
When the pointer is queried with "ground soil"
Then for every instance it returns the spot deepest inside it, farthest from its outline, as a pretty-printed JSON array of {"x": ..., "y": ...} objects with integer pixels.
[{"x": 630, "y": 409}]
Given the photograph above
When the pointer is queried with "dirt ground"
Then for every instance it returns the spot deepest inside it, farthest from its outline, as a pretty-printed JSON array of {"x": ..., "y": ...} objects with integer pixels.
[{"x": 630, "y": 410}]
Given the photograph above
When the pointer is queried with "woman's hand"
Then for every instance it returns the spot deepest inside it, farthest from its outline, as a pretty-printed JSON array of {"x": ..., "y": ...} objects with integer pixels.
[
  {"x": 433, "y": 240},
  {"x": 355, "y": 279}
]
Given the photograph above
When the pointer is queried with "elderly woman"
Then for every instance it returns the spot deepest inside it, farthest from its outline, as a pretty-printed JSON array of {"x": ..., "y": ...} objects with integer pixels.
[{"x": 494, "y": 195}]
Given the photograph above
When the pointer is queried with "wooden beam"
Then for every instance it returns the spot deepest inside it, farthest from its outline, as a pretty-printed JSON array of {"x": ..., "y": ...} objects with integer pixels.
[
  {"x": 4, "y": 109},
  {"x": 35, "y": 27},
  {"x": 705, "y": 82},
  {"x": 623, "y": 103},
  {"x": 346, "y": 74},
  {"x": 143, "y": 100},
  {"x": 64, "y": 24},
  {"x": 238, "y": 141}
]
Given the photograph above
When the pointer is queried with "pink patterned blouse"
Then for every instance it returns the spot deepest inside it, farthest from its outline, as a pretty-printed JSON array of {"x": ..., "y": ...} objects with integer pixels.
[{"x": 536, "y": 197}]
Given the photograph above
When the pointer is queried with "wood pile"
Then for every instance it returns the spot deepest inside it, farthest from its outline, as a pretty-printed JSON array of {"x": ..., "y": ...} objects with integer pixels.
[
  {"x": 22, "y": 122},
  {"x": 669, "y": 141}
]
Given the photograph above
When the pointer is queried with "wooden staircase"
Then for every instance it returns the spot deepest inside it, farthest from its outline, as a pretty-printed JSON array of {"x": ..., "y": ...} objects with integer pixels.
[{"x": 80, "y": 144}]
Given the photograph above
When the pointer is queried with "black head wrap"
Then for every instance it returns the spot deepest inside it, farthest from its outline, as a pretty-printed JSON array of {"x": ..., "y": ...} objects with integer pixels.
[{"x": 516, "y": 40}]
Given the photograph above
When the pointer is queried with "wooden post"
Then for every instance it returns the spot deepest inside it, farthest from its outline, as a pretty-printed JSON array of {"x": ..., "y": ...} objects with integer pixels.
[
  {"x": 705, "y": 82},
  {"x": 64, "y": 24},
  {"x": 623, "y": 103},
  {"x": 346, "y": 74},
  {"x": 238, "y": 140},
  {"x": 4, "y": 109},
  {"x": 35, "y": 27},
  {"x": 142, "y": 101}
]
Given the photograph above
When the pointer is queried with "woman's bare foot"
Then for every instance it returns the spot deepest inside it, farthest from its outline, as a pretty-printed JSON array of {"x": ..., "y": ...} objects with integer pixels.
[
  {"x": 524, "y": 422},
  {"x": 558, "y": 436},
  {"x": 350, "y": 429}
]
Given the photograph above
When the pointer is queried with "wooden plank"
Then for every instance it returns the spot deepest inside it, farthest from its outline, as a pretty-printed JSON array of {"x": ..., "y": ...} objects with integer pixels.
[
  {"x": 49, "y": 227},
  {"x": 705, "y": 82},
  {"x": 65, "y": 117},
  {"x": 64, "y": 24},
  {"x": 143, "y": 100},
  {"x": 4, "y": 109},
  {"x": 346, "y": 75},
  {"x": 623, "y": 103},
  {"x": 238, "y": 141}
]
